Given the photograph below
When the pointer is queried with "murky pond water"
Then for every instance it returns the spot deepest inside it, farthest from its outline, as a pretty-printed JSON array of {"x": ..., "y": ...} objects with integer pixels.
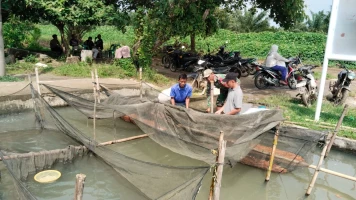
[{"x": 103, "y": 182}]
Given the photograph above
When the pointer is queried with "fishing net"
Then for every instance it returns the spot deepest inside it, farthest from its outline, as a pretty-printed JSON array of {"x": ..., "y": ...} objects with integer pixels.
[
  {"x": 194, "y": 134},
  {"x": 188, "y": 132},
  {"x": 152, "y": 180}
]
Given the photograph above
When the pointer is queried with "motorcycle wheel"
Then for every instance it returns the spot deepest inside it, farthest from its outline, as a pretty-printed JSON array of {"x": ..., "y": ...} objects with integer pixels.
[
  {"x": 306, "y": 99},
  {"x": 245, "y": 71},
  {"x": 173, "y": 67},
  {"x": 252, "y": 69},
  {"x": 342, "y": 99},
  {"x": 260, "y": 81},
  {"x": 166, "y": 60},
  {"x": 292, "y": 82}
]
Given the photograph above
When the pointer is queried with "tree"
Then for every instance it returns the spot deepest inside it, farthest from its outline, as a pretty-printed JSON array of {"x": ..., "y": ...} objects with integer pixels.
[
  {"x": 248, "y": 21},
  {"x": 2, "y": 54},
  {"x": 76, "y": 17},
  {"x": 196, "y": 17},
  {"x": 319, "y": 22}
]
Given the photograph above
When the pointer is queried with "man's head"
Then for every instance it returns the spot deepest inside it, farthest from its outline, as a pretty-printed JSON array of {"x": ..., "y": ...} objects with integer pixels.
[
  {"x": 73, "y": 36},
  {"x": 54, "y": 36},
  {"x": 208, "y": 74},
  {"x": 182, "y": 80},
  {"x": 231, "y": 79},
  {"x": 90, "y": 38},
  {"x": 99, "y": 36}
]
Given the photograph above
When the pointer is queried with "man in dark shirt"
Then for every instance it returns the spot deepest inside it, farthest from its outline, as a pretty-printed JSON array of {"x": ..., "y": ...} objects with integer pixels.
[
  {"x": 89, "y": 44},
  {"x": 55, "y": 46},
  {"x": 99, "y": 42}
]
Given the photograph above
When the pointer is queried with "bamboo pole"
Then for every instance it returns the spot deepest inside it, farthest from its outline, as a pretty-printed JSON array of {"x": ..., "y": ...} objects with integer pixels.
[
  {"x": 336, "y": 129},
  {"x": 79, "y": 186},
  {"x": 140, "y": 82},
  {"x": 38, "y": 81},
  {"x": 97, "y": 85},
  {"x": 123, "y": 140},
  {"x": 275, "y": 141},
  {"x": 334, "y": 173},
  {"x": 29, "y": 78},
  {"x": 211, "y": 96},
  {"x": 220, "y": 166},
  {"x": 317, "y": 169},
  {"x": 95, "y": 98},
  {"x": 331, "y": 125}
]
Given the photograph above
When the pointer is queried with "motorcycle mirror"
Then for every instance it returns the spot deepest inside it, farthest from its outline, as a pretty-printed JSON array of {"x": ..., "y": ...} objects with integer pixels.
[{"x": 183, "y": 47}]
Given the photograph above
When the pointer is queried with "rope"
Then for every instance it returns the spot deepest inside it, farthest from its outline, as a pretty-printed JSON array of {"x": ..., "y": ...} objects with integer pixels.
[{"x": 16, "y": 91}]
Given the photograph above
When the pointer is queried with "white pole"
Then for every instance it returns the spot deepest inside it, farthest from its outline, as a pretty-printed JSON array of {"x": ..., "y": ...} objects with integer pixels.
[
  {"x": 328, "y": 48},
  {"x": 38, "y": 81}
]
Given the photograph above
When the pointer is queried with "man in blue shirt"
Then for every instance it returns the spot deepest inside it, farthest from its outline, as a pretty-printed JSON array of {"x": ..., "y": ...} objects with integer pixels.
[{"x": 181, "y": 92}]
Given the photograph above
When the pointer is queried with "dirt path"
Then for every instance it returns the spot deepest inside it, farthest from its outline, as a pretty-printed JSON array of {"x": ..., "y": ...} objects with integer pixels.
[{"x": 251, "y": 93}]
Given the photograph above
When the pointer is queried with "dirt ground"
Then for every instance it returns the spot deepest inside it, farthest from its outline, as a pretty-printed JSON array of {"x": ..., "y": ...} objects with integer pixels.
[{"x": 251, "y": 93}]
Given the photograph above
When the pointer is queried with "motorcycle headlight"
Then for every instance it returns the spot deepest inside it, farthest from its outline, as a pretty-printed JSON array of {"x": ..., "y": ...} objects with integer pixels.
[{"x": 351, "y": 76}]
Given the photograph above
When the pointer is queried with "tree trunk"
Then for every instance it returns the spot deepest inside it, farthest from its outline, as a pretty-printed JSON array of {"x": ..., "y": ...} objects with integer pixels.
[
  {"x": 192, "y": 42},
  {"x": 2, "y": 52},
  {"x": 63, "y": 38}
]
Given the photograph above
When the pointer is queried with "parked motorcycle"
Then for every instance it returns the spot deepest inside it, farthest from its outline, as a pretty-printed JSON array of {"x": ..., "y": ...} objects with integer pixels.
[
  {"x": 266, "y": 77},
  {"x": 181, "y": 60},
  {"x": 202, "y": 65},
  {"x": 341, "y": 88},
  {"x": 308, "y": 89}
]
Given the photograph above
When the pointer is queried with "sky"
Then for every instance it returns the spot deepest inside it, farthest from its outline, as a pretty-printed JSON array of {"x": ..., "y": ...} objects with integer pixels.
[{"x": 317, "y": 5}]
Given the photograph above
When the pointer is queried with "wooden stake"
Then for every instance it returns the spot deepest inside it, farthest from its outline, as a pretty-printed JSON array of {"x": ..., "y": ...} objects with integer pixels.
[
  {"x": 95, "y": 97},
  {"x": 317, "y": 169},
  {"x": 97, "y": 85},
  {"x": 29, "y": 78},
  {"x": 140, "y": 82},
  {"x": 211, "y": 96},
  {"x": 220, "y": 166},
  {"x": 38, "y": 81},
  {"x": 336, "y": 129},
  {"x": 79, "y": 186},
  {"x": 275, "y": 141}
]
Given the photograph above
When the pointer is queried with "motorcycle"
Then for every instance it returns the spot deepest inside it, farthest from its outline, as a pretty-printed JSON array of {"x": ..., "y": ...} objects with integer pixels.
[
  {"x": 266, "y": 77},
  {"x": 198, "y": 81},
  {"x": 182, "y": 60},
  {"x": 341, "y": 88},
  {"x": 308, "y": 89}
]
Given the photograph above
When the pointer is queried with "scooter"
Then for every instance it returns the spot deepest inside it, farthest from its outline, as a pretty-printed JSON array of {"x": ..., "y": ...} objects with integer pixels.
[{"x": 308, "y": 89}]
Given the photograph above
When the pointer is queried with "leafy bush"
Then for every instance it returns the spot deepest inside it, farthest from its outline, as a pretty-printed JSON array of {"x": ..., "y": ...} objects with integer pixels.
[
  {"x": 30, "y": 58},
  {"x": 17, "y": 32}
]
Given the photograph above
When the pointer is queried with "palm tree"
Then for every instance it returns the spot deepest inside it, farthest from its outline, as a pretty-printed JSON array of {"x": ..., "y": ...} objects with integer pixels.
[
  {"x": 319, "y": 22},
  {"x": 248, "y": 21}
]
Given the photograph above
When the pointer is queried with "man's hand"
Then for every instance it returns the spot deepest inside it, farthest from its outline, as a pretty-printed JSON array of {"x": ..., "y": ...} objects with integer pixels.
[
  {"x": 219, "y": 111},
  {"x": 208, "y": 110}
]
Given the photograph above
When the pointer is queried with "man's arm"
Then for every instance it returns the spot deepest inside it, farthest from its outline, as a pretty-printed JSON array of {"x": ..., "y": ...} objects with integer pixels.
[
  {"x": 234, "y": 111},
  {"x": 221, "y": 109},
  {"x": 187, "y": 100},
  {"x": 173, "y": 102}
]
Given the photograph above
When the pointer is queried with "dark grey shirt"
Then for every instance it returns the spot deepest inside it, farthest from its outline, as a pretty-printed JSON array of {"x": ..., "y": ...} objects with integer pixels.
[{"x": 233, "y": 100}]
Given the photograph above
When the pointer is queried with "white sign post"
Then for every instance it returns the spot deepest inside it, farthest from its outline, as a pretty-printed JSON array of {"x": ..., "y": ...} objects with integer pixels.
[{"x": 341, "y": 41}]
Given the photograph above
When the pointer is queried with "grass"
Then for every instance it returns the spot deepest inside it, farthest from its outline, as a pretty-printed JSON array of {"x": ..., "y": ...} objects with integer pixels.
[
  {"x": 317, "y": 76},
  {"x": 295, "y": 112},
  {"x": 8, "y": 78}
]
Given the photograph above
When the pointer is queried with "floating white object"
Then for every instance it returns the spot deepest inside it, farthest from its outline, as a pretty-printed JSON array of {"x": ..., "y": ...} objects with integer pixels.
[{"x": 47, "y": 176}]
